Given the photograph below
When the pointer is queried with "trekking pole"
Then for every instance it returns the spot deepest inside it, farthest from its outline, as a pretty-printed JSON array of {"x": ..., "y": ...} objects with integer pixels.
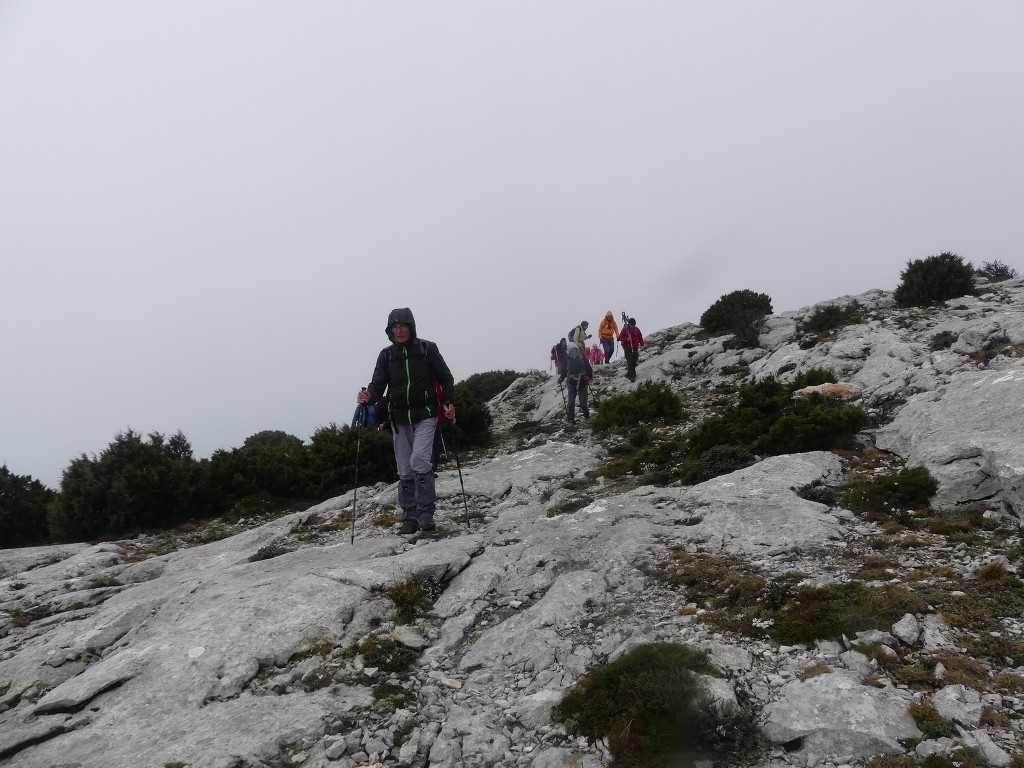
[
  {"x": 465, "y": 504},
  {"x": 561, "y": 389},
  {"x": 360, "y": 423}
]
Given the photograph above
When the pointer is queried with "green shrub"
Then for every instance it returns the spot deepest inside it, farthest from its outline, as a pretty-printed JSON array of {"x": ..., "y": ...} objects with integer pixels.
[
  {"x": 23, "y": 503},
  {"x": 134, "y": 484},
  {"x": 650, "y": 706},
  {"x": 271, "y": 462},
  {"x": 812, "y": 377},
  {"x": 473, "y": 417},
  {"x": 819, "y": 492},
  {"x": 484, "y": 386},
  {"x": 942, "y": 340},
  {"x": 736, "y": 311},
  {"x": 766, "y": 420},
  {"x": 995, "y": 271},
  {"x": 890, "y": 495},
  {"x": 718, "y": 460},
  {"x": 933, "y": 280},
  {"x": 650, "y": 402},
  {"x": 812, "y": 425},
  {"x": 829, "y": 318},
  {"x": 332, "y": 455},
  {"x": 758, "y": 406}
]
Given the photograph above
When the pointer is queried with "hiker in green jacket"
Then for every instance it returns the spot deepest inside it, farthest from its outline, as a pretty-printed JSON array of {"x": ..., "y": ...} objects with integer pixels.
[
  {"x": 407, "y": 369},
  {"x": 579, "y": 335}
]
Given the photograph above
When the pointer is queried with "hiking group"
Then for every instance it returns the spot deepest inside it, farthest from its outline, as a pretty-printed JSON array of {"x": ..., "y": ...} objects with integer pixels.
[
  {"x": 411, "y": 393},
  {"x": 574, "y": 360}
]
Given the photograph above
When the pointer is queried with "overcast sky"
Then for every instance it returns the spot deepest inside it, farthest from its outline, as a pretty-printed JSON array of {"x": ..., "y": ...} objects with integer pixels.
[{"x": 207, "y": 209}]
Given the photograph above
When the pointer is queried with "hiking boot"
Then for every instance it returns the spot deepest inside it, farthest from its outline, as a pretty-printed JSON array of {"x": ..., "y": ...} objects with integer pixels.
[
  {"x": 427, "y": 522},
  {"x": 409, "y": 526}
]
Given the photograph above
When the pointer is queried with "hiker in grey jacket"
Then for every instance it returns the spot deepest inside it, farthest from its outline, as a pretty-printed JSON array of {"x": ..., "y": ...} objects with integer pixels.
[{"x": 577, "y": 376}]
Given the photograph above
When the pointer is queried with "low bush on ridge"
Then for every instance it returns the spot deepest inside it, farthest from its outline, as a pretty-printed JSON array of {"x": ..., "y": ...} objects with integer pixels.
[
  {"x": 650, "y": 402},
  {"x": 651, "y": 706}
]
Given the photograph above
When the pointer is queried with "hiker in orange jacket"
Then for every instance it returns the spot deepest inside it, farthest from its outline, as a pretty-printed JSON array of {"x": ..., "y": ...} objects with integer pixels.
[{"x": 607, "y": 333}]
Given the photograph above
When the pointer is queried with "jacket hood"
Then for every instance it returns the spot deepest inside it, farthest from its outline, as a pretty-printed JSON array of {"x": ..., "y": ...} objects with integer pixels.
[
  {"x": 401, "y": 315},
  {"x": 609, "y": 314}
]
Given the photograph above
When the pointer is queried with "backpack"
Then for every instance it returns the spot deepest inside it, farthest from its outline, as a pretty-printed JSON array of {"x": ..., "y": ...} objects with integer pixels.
[{"x": 554, "y": 352}]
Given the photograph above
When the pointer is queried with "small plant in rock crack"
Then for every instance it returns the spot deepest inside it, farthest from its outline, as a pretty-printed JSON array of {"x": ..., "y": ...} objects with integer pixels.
[
  {"x": 104, "y": 581},
  {"x": 652, "y": 707},
  {"x": 567, "y": 507},
  {"x": 316, "y": 679},
  {"x": 820, "y": 493},
  {"x": 942, "y": 340},
  {"x": 814, "y": 670},
  {"x": 268, "y": 551},
  {"x": 932, "y": 724},
  {"x": 413, "y": 598},
  {"x": 387, "y": 655}
]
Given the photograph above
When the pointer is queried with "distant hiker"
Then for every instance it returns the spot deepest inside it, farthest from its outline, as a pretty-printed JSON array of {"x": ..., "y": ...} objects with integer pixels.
[
  {"x": 407, "y": 369},
  {"x": 561, "y": 356},
  {"x": 632, "y": 342},
  {"x": 579, "y": 335},
  {"x": 596, "y": 354},
  {"x": 607, "y": 332},
  {"x": 577, "y": 381}
]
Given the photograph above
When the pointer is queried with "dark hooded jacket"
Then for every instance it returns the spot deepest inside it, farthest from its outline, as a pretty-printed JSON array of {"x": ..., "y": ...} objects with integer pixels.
[{"x": 408, "y": 371}]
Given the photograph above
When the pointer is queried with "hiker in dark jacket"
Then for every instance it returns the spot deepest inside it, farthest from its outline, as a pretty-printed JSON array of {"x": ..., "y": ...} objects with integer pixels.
[
  {"x": 632, "y": 342},
  {"x": 561, "y": 356},
  {"x": 407, "y": 370},
  {"x": 577, "y": 382}
]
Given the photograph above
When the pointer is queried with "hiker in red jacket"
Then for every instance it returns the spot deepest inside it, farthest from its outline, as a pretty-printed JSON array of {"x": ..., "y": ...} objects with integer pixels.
[{"x": 632, "y": 341}]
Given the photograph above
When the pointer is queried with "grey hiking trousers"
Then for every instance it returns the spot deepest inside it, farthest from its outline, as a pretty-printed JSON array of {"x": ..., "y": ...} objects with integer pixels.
[{"x": 414, "y": 446}]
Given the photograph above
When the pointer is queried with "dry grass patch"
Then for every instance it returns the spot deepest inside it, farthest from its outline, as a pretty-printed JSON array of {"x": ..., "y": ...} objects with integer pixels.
[{"x": 962, "y": 670}]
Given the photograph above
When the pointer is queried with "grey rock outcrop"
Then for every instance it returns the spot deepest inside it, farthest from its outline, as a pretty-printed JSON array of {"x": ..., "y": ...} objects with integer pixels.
[
  {"x": 272, "y": 646},
  {"x": 836, "y": 714}
]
